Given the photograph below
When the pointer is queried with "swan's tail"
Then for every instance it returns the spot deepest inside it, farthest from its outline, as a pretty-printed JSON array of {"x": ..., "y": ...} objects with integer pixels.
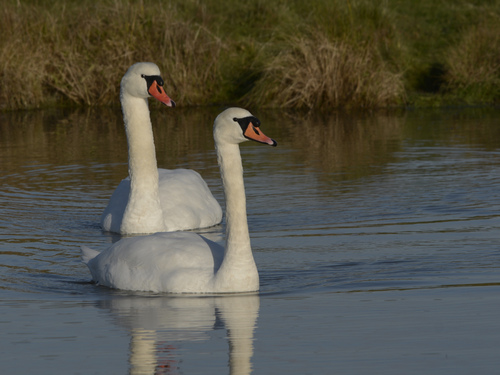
[{"x": 88, "y": 254}]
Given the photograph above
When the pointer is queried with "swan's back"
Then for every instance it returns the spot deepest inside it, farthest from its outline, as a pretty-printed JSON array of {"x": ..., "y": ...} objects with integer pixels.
[
  {"x": 172, "y": 262},
  {"x": 185, "y": 198},
  {"x": 188, "y": 200}
]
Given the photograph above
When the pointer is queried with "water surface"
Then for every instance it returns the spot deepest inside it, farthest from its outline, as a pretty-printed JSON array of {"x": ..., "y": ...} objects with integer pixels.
[{"x": 375, "y": 235}]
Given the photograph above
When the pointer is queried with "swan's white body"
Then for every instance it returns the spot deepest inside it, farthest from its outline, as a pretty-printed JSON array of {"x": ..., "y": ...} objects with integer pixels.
[
  {"x": 185, "y": 202},
  {"x": 184, "y": 262},
  {"x": 154, "y": 200}
]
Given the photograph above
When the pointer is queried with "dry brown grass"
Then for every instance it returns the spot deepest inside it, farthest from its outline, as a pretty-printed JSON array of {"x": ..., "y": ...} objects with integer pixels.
[
  {"x": 21, "y": 53},
  {"x": 314, "y": 72},
  {"x": 316, "y": 54},
  {"x": 63, "y": 55}
]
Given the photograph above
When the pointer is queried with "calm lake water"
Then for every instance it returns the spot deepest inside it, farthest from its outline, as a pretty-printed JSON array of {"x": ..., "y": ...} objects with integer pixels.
[{"x": 377, "y": 238}]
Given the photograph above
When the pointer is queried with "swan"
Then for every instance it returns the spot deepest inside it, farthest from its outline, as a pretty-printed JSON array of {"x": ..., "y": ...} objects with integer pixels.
[
  {"x": 185, "y": 262},
  {"x": 154, "y": 200}
]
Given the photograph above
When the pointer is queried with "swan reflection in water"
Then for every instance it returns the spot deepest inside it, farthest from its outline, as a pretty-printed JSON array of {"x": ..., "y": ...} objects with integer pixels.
[{"x": 155, "y": 323}]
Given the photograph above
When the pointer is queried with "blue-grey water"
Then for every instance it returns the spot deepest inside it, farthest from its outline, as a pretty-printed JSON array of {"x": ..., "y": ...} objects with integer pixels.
[{"x": 377, "y": 238}]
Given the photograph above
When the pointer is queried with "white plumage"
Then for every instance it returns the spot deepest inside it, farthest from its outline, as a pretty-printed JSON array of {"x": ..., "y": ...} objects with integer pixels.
[
  {"x": 185, "y": 262},
  {"x": 153, "y": 200}
]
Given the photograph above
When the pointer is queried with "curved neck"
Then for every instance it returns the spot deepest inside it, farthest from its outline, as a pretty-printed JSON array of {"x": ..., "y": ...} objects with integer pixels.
[
  {"x": 238, "y": 265},
  {"x": 142, "y": 165}
]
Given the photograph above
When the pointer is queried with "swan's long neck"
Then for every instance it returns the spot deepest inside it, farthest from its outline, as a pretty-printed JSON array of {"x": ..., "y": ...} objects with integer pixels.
[
  {"x": 143, "y": 206},
  {"x": 238, "y": 269}
]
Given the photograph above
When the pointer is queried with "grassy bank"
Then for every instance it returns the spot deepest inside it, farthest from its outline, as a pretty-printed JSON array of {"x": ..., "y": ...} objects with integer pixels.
[{"x": 274, "y": 53}]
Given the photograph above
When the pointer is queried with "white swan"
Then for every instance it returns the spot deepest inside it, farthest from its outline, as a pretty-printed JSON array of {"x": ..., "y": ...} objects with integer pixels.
[
  {"x": 184, "y": 262},
  {"x": 154, "y": 200}
]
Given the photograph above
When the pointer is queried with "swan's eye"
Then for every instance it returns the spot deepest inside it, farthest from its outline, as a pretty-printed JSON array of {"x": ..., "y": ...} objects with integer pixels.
[
  {"x": 151, "y": 79},
  {"x": 247, "y": 121}
]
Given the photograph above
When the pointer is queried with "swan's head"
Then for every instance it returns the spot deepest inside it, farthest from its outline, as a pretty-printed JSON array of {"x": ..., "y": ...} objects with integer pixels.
[
  {"x": 143, "y": 80},
  {"x": 236, "y": 125}
]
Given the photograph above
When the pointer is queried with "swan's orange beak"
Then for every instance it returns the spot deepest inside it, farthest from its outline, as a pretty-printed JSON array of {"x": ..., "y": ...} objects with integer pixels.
[
  {"x": 254, "y": 133},
  {"x": 157, "y": 92}
]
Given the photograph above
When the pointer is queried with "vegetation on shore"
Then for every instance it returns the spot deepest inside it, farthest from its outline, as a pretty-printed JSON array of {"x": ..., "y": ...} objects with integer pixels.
[{"x": 294, "y": 54}]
